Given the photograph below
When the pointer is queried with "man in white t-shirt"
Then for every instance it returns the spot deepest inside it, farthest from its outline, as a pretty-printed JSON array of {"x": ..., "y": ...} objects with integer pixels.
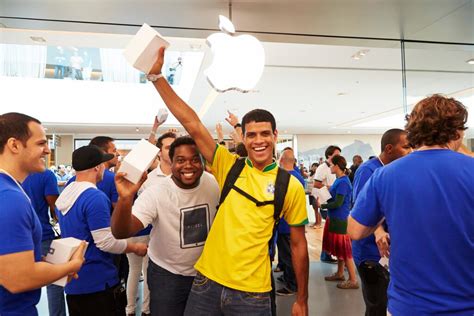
[
  {"x": 137, "y": 264},
  {"x": 181, "y": 210},
  {"x": 164, "y": 168},
  {"x": 323, "y": 179}
]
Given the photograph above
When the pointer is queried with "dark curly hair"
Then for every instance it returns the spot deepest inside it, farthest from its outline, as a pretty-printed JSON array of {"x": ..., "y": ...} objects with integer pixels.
[{"x": 435, "y": 120}]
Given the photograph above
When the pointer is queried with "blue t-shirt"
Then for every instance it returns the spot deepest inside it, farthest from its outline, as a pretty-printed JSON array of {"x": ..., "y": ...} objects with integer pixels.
[
  {"x": 91, "y": 211},
  {"x": 38, "y": 186},
  {"x": 341, "y": 186},
  {"x": 365, "y": 249},
  {"x": 428, "y": 203},
  {"x": 20, "y": 230},
  {"x": 107, "y": 185},
  {"x": 283, "y": 227}
]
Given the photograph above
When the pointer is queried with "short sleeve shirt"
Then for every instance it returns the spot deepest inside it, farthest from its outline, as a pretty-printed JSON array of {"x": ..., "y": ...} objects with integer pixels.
[
  {"x": 236, "y": 251},
  {"x": 427, "y": 200},
  {"x": 38, "y": 186},
  {"x": 20, "y": 230}
]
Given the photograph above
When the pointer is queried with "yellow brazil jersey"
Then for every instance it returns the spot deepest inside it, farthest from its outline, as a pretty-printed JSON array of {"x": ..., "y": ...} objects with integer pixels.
[{"x": 236, "y": 251}]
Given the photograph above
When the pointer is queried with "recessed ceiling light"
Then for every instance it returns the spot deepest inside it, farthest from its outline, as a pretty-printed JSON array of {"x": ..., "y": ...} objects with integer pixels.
[
  {"x": 342, "y": 93},
  {"x": 195, "y": 47},
  {"x": 137, "y": 129},
  {"x": 38, "y": 39},
  {"x": 470, "y": 61},
  {"x": 358, "y": 55}
]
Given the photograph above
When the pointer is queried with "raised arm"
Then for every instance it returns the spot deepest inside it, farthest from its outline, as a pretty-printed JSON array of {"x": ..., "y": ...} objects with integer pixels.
[
  {"x": 183, "y": 112},
  {"x": 123, "y": 223}
]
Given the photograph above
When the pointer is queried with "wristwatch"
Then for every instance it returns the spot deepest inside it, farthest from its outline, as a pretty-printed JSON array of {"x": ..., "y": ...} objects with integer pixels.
[{"x": 153, "y": 78}]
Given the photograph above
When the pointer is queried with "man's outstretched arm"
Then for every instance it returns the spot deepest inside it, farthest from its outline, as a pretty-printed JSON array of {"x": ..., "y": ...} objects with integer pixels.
[{"x": 183, "y": 112}]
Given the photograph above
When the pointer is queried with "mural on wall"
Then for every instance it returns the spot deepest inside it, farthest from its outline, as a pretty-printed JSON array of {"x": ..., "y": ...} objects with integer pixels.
[{"x": 356, "y": 148}]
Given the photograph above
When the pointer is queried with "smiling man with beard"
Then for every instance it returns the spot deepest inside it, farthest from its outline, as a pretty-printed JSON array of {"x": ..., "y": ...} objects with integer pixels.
[
  {"x": 234, "y": 272},
  {"x": 181, "y": 209}
]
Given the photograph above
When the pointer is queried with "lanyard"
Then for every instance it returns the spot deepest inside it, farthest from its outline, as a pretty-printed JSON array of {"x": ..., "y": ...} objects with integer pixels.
[
  {"x": 380, "y": 161},
  {"x": 17, "y": 183}
]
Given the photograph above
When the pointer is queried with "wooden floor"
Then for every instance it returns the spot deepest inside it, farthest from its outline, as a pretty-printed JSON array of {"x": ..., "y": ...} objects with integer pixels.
[{"x": 314, "y": 238}]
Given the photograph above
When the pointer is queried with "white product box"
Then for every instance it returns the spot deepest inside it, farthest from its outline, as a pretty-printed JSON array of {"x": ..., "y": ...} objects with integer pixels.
[
  {"x": 142, "y": 51},
  {"x": 162, "y": 115},
  {"x": 61, "y": 251},
  {"x": 138, "y": 160}
]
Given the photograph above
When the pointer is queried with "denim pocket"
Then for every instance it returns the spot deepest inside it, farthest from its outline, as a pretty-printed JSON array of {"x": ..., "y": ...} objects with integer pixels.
[
  {"x": 200, "y": 283},
  {"x": 256, "y": 299}
]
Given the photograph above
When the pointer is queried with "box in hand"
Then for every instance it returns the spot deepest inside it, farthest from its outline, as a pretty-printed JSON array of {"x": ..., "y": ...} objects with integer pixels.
[
  {"x": 142, "y": 51},
  {"x": 138, "y": 160},
  {"x": 61, "y": 251},
  {"x": 162, "y": 115}
]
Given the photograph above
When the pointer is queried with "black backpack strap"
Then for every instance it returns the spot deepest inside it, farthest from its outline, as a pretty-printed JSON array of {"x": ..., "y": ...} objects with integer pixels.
[
  {"x": 281, "y": 187},
  {"x": 230, "y": 179}
]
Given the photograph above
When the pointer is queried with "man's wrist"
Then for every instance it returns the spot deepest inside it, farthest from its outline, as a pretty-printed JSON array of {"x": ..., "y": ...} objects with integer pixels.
[
  {"x": 154, "y": 77},
  {"x": 302, "y": 299}
]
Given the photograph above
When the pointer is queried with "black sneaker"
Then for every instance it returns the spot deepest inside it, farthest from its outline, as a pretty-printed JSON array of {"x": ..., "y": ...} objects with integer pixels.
[
  {"x": 329, "y": 260},
  {"x": 284, "y": 292}
]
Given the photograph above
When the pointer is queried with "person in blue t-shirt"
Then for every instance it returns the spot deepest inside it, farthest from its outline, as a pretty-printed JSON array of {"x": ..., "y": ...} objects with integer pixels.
[
  {"x": 374, "y": 277},
  {"x": 23, "y": 148},
  {"x": 335, "y": 239},
  {"x": 287, "y": 162},
  {"x": 84, "y": 212},
  {"x": 42, "y": 189},
  {"x": 107, "y": 184},
  {"x": 427, "y": 202}
]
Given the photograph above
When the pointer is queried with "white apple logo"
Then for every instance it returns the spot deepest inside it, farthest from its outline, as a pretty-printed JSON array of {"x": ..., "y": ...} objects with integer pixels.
[{"x": 238, "y": 60}]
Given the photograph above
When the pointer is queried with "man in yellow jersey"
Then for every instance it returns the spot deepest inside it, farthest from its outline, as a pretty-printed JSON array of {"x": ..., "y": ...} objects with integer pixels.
[{"x": 234, "y": 268}]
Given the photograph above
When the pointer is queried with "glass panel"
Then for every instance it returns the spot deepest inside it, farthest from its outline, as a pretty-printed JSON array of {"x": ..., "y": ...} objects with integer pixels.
[{"x": 445, "y": 69}]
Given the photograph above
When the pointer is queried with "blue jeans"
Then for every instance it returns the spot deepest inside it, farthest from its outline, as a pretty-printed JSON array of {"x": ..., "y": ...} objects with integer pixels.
[
  {"x": 208, "y": 298},
  {"x": 55, "y": 293},
  {"x": 168, "y": 291}
]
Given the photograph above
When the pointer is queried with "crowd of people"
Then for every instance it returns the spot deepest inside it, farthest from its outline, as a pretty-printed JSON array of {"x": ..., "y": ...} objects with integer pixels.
[{"x": 202, "y": 224}]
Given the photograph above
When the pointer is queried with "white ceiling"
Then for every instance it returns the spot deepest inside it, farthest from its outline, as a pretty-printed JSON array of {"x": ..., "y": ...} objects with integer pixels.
[{"x": 304, "y": 75}]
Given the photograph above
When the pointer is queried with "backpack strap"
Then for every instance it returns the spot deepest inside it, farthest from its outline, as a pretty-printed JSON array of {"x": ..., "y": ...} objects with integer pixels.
[
  {"x": 281, "y": 187},
  {"x": 230, "y": 179}
]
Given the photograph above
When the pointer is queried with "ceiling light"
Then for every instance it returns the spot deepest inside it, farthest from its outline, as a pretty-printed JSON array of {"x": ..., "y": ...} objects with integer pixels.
[
  {"x": 195, "y": 47},
  {"x": 340, "y": 94},
  {"x": 470, "y": 61},
  {"x": 358, "y": 55},
  {"x": 38, "y": 39},
  {"x": 137, "y": 129}
]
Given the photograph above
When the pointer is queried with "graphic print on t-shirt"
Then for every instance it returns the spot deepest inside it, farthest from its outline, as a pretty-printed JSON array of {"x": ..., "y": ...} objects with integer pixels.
[{"x": 194, "y": 226}]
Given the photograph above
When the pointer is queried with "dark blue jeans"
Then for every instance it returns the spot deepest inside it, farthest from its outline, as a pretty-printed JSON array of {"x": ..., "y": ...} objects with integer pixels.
[
  {"x": 168, "y": 291},
  {"x": 56, "y": 301},
  {"x": 284, "y": 254},
  {"x": 208, "y": 298}
]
